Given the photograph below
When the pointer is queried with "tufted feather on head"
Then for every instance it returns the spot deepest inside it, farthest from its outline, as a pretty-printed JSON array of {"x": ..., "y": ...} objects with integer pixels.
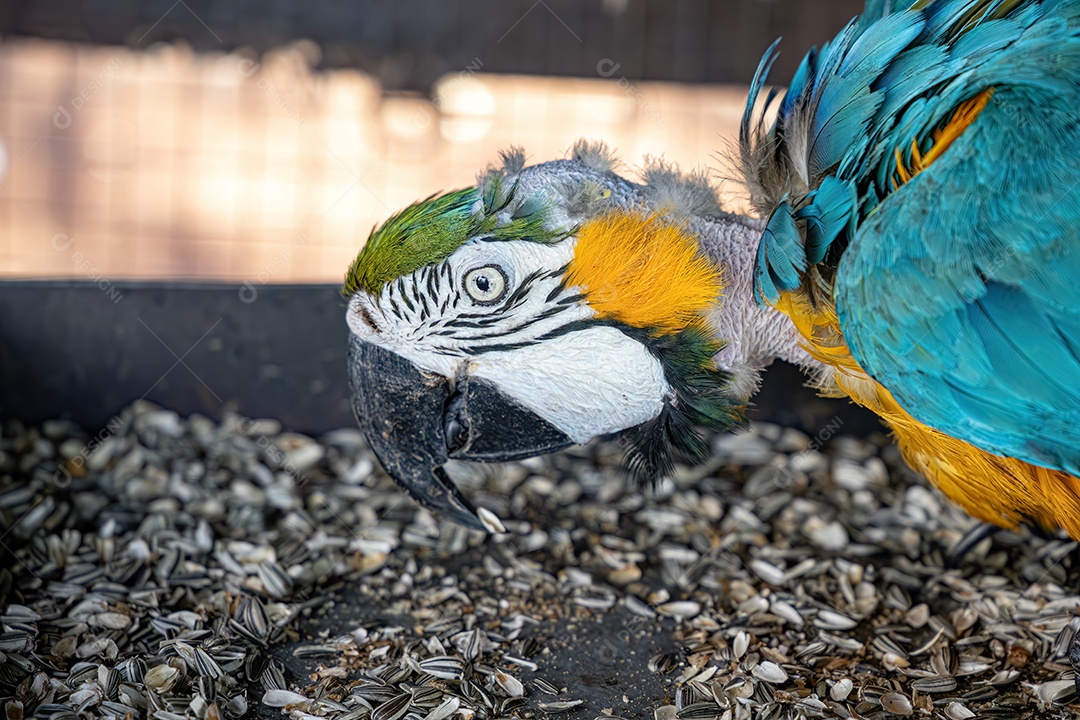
[
  {"x": 683, "y": 194},
  {"x": 594, "y": 154}
]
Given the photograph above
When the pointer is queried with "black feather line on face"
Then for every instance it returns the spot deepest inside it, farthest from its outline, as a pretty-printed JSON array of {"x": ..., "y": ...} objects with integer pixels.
[
  {"x": 701, "y": 401},
  {"x": 431, "y": 277}
]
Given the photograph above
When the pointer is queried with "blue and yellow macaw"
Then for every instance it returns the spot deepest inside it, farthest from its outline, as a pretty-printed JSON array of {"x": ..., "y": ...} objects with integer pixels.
[
  {"x": 921, "y": 181},
  {"x": 921, "y": 184}
]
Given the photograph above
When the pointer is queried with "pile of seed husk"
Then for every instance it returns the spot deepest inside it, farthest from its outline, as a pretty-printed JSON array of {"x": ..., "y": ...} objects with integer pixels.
[{"x": 181, "y": 568}]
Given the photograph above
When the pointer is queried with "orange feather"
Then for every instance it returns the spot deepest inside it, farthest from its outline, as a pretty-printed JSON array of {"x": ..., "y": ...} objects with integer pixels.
[
  {"x": 644, "y": 270},
  {"x": 961, "y": 119}
]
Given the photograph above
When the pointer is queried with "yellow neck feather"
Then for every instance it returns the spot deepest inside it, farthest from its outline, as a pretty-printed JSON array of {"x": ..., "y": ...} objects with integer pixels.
[{"x": 644, "y": 270}]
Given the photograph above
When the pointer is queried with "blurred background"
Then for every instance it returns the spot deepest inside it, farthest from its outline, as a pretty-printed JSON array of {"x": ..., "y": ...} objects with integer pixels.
[
  {"x": 261, "y": 141},
  {"x": 184, "y": 182}
]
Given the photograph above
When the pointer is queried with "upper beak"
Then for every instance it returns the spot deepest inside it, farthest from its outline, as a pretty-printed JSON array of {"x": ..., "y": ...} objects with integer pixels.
[{"x": 416, "y": 421}]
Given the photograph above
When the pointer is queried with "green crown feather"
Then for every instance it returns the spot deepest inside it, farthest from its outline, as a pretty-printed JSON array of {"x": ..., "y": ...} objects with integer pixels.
[{"x": 431, "y": 230}]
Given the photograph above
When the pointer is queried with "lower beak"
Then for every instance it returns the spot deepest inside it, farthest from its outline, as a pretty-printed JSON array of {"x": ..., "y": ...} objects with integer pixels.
[{"x": 415, "y": 421}]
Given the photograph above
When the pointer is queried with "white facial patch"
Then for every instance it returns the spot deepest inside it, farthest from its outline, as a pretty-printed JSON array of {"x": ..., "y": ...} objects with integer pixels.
[
  {"x": 520, "y": 328},
  {"x": 586, "y": 383},
  {"x": 431, "y": 318}
]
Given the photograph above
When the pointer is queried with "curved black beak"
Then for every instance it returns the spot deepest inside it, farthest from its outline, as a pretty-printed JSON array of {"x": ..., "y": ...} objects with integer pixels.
[{"x": 415, "y": 421}]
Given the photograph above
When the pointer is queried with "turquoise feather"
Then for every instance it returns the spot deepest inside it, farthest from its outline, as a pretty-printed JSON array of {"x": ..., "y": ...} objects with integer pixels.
[
  {"x": 956, "y": 290},
  {"x": 828, "y": 216},
  {"x": 779, "y": 256}
]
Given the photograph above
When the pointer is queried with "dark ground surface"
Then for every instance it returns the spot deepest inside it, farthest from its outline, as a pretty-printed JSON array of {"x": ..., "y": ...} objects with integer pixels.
[
  {"x": 602, "y": 660},
  {"x": 283, "y": 576}
]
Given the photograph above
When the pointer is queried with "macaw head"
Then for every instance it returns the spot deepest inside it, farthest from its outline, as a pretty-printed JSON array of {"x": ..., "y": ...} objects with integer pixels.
[{"x": 542, "y": 308}]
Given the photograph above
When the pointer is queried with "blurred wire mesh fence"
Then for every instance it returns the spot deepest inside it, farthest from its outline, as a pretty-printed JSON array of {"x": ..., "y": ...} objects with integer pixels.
[{"x": 160, "y": 161}]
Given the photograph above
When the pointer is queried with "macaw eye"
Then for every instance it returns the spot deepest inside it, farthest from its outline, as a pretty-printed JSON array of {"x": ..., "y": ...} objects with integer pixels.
[{"x": 486, "y": 285}]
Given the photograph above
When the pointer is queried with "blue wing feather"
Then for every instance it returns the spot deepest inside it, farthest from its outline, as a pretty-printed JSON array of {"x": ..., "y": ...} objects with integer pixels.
[
  {"x": 831, "y": 213},
  {"x": 800, "y": 81},
  {"x": 847, "y": 100},
  {"x": 780, "y": 259},
  {"x": 958, "y": 291},
  {"x": 756, "y": 84},
  {"x": 959, "y": 294}
]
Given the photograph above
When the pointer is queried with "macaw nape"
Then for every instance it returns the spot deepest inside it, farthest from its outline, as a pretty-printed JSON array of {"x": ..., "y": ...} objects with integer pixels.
[{"x": 919, "y": 189}]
